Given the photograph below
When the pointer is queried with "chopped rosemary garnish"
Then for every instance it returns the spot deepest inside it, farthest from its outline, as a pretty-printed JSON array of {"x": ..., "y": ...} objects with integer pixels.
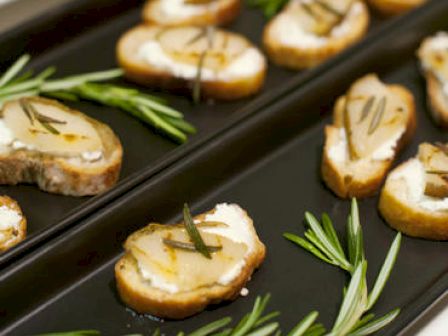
[
  {"x": 378, "y": 116},
  {"x": 189, "y": 246},
  {"x": 366, "y": 109},
  {"x": 437, "y": 172},
  {"x": 208, "y": 32},
  {"x": 323, "y": 242},
  {"x": 44, "y": 120},
  {"x": 329, "y": 8},
  {"x": 194, "y": 234},
  {"x": 149, "y": 109}
]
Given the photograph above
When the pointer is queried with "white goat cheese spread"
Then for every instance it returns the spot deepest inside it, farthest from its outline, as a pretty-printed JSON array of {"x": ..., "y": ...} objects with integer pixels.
[
  {"x": 437, "y": 44},
  {"x": 249, "y": 63},
  {"x": 9, "y": 219},
  {"x": 413, "y": 173},
  {"x": 179, "y": 9},
  {"x": 289, "y": 31}
]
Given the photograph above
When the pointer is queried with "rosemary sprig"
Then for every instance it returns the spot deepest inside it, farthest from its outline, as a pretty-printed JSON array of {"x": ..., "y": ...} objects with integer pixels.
[
  {"x": 376, "y": 119},
  {"x": 207, "y": 32},
  {"x": 194, "y": 234},
  {"x": 269, "y": 7},
  {"x": 189, "y": 246},
  {"x": 44, "y": 120},
  {"x": 353, "y": 318},
  {"x": 149, "y": 109},
  {"x": 366, "y": 109}
]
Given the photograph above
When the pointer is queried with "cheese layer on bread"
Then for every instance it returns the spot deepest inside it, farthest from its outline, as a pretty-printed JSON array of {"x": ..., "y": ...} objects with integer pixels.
[
  {"x": 181, "y": 9},
  {"x": 369, "y": 121},
  {"x": 175, "y": 270},
  {"x": 205, "y": 53},
  {"x": 433, "y": 56},
  {"x": 47, "y": 127},
  {"x": 10, "y": 221},
  {"x": 311, "y": 24}
]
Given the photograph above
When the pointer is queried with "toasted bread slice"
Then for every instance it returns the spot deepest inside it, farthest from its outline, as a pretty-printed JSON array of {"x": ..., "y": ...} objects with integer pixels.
[
  {"x": 154, "y": 277},
  {"x": 372, "y": 122},
  {"x": 407, "y": 200},
  {"x": 394, "y": 7},
  {"x": 306, "y": 33},
  {"x": 190, "y": 12},
  {"x": 60, "y": 149},
  {"x": 12, "y": 223},
  {"x": 225, "y": 65},
  {"x": 433, "y": 54}
]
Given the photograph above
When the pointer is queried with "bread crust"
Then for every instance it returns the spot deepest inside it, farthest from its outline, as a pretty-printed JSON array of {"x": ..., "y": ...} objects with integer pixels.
[
  {"x": 395, "y": 7},
  {"x": 226, "y": 13},
  {"x": 20, "y": 234},
  {"x": 436, "y": 100},
  {"x": 299, "y": 58},
  {"x": 57, "y": 174},
  {"x": 138, "y": 295},
  {"x": 347, "y": 185},
  {"x": 413, "y": 221}
]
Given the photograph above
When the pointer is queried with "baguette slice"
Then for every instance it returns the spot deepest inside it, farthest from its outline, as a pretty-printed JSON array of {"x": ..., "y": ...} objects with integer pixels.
[
  {"x": 433, "y": 54},
  {"x": 60, "y": 149},
  {"x": 155, "y": 278},
  {"x": 225, "y": 65},
  {"x": 306, "y": 33},
  {"x": 372, "y": 122},
  {"x": 395, "y": 7},
  {"x": 190, "y": 12},
  {"x": 12, "y": 223},
  {"x": 407, "y": 200}
]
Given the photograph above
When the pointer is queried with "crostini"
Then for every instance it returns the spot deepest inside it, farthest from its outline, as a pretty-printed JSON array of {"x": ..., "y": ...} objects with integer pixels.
[
  {"x": 394, "y": 7},
  {"x": 308, "y": 32},
  {"x": 433, "y": 55},
  {"x": 414, "y": 199},
  {"x": 190, "y": 12},
  {"x": 12, "y": 223},
  {"x": 223, "y": 65},
  {"x": 163, "y": 274},
  {"x": 60, "y": 149},
  {"x": 372, "y": 122}
]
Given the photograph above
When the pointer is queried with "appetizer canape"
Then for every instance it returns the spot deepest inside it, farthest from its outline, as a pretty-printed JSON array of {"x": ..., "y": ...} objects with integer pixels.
[
  {"x": 60, "y": 149},
  {"x": 307, "y": 32},
  {"x": 190, "y": 12},
  {"x": 415, "y": 197},
  {"x": 12, "y": 223},
  {"x": 394, "y": 7},
  {"x": 166, "y": 274},
  {"x": 433, "y": 55},
  {"x": 372, "y": 122},
  {"x": 219, "y": 64}
]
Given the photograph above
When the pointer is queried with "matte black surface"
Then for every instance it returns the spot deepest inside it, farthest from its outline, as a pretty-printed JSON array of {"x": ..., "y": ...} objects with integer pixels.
[
  {"x": 81, "y": 37},
  {"x": 269, "y": 165}
]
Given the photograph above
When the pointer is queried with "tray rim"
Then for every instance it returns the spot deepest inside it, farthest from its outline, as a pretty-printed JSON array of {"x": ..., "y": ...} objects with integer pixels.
[{"x": 126, "y": 184}]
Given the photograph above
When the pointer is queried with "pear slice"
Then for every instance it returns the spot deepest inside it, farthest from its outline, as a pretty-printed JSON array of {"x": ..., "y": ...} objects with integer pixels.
[
  {"x": 50, "y": 128},
  {"x": 188, "y": 44},
  {"x": 435, "y": 161},
  {"x": 187, "y": 270},
  {"x": 374, "y": 115},
  {"x": 319, "y": 17}
]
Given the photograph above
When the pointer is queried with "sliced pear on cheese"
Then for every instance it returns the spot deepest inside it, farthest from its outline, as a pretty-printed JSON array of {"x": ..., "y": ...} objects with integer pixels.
[
  {"x": 185, "y": 269},
  {"x": 189, "y": 44},
  {"x": 435, "y": 162},
  {"x": 49, "y": 127},
  {"x": 374, "y": 116},
  {"x": 434, "y": 56}
]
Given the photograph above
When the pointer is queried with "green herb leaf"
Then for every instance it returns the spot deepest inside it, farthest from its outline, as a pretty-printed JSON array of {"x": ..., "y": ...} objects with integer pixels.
[
  {"x": 307, "y": 246},
  {"x": 269, "y": 7},
  {"x": 331, "y": 233},
  {"x": 74, "y": 333},
  {"x": 14, "y": 70},
  {"x": 211, "y": 327},
  {"x": 385, "y": 272},
  {"x": 188, "y": 246},
  {"x": 378, "y": 116},
  {"x": 367, "y": 108},
  {"x": 376, "y": 325},
  {"x": 194, "y": 234},
  {"x": 303, "y": 326}
]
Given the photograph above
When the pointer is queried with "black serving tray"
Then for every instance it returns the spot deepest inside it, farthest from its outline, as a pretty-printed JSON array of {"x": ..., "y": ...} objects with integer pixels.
[
  {"x": 269, "y": 164},
  {"x": 80, "y": 36}
]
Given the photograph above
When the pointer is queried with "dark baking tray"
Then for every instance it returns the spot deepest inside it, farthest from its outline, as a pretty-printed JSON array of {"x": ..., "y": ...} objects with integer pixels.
[
  {"x": 80, "y": 36},
  {"x": 269, "y": 164}
]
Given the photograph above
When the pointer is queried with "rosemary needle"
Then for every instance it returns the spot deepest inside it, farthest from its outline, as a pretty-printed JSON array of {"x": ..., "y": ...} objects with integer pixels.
[{"x": 194, "y": 234}]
